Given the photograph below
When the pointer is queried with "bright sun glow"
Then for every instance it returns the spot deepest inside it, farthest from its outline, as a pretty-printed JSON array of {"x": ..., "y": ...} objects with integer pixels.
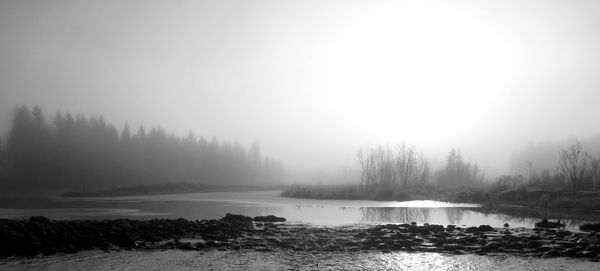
[{"x": 420, "y": 75}]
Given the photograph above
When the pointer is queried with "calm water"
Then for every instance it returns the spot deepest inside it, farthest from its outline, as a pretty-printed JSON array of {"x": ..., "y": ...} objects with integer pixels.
[
  {"x": 252, "y": 203},
  {"x": 316, "y": 212}
]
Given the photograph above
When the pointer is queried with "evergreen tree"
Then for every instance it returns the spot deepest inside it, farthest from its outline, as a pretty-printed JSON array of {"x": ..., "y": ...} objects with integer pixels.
[
  {"x": 457, "y": 171},
  {"x": 79, "y": 153}
]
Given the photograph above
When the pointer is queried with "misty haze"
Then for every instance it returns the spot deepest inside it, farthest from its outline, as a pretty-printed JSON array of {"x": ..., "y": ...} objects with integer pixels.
[{"x": 299, "y": 135}]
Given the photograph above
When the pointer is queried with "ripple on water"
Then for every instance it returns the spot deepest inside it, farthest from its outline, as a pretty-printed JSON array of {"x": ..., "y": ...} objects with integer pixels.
[{"x": 288, "y": 260}]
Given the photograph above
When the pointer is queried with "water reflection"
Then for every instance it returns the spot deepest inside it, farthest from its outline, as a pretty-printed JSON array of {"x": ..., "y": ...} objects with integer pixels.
[
  {"x": 454, "y": 215},
  {"x": 443, "y": 216},
  {"x": 516, "y": 217},
  {"x": 395, "y": 215}
]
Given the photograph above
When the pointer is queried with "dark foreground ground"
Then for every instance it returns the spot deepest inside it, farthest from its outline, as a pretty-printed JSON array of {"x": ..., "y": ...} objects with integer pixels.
[{"x": 39, "y": 235}]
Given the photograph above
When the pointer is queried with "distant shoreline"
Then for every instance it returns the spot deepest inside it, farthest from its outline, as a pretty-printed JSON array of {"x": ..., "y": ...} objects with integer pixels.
[
  {"x": 533, "y": 198},
  {"x": 168, "y": 188}
]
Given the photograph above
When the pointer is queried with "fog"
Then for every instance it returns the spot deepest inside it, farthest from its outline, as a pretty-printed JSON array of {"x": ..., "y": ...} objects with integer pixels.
[{"x": 313, "y": 81}]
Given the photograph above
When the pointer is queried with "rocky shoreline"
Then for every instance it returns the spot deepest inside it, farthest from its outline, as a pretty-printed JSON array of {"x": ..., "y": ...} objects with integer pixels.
[{"x": 39, "y": 235}]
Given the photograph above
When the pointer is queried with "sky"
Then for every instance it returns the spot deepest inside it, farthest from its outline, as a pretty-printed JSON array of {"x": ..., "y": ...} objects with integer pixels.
[{"x": 312, "y": 81}]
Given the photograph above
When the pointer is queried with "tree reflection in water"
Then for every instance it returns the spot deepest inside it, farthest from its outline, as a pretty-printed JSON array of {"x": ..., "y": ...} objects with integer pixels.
[
  {"x": 454, "y": 215},
  {"x": 517, "y": 217},
  {"x": 395, "y": 215}
]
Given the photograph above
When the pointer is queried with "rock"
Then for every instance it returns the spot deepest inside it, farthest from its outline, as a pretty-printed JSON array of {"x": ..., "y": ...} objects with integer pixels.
[
  {"x": 211, "y": 243},
  {"x": 471, "y": 229},
  {"x": 426, "y": 229},
  {"x": 353, "y": 249},
  {"x": 269, "y": 225},
  {"x": 510, "y": 238},
  {"x": 506, "y": 225},
  {"x": 391, "y": 227},
  {"x": 595, "y": 248},
  {"x": 551, "y": 254},
  {"x": 545, "y": 224},
  {"x": 571, "y": 252},
  {"x": 582, "y": 241},
  {"x": 264, "y": 249},
  {"x": 534, "y": 244},
  {"x": 485, "y": 228},
  {"x": 71, "y": 249},
  {"x": 481, "y": 251},
  {"x": 269, "y": 218},
  {"x": 452, "y": 247},
  {"x": 590, "y": 227},
  {"x": 186, "y": 246},
  {"x": 39, "y": 220},
  {"x": 544, "y": 248},
  {"x": 587, "y": 254},
  {"x": 236, "y": 218}
]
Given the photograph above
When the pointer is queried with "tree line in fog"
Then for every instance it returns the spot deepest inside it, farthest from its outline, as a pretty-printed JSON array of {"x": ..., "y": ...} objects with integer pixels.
[
  {"x": 545, "y": 156},
  {"x": 79, "y": 153},
  {"x": 402, "y": 166},
  {"x": 550, "y": 166}
]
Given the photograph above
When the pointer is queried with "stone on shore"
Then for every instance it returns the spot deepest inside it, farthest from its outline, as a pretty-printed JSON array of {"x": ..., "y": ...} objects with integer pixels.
[
  {"x": 590, "y": 227},
  {"x": 40, "y": 235},
  {"x": 236, "y": 218},
  {"x": 269, "y": 218},
  {"x": 548, "y": 224}
]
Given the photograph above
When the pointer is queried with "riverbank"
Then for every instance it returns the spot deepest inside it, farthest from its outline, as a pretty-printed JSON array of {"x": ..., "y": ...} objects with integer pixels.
[
  {"x": 355, "y": 192},
  {"x": 581, "y": 200},
  {"x": 39, "y": 235},
  {"x": 168, "y": 188}
]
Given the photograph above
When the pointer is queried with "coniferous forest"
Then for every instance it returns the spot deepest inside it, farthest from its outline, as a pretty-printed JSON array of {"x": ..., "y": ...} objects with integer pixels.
[{"x": 75, "y": 152}]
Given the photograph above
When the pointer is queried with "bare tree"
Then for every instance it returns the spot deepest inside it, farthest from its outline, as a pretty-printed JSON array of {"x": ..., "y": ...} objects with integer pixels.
[
  {"x": 360, "y": 158},
  {"x": 576, "y": 167},
  {"x": 424, "y": 170},
  {"x": 398, "y": 167},
  {"x": 595, "y": 168},
  {"x": 406, "y": 163}
]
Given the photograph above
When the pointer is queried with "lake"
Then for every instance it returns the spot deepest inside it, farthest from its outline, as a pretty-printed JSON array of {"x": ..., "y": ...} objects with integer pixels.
[{"x": 316, "y": 212}]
